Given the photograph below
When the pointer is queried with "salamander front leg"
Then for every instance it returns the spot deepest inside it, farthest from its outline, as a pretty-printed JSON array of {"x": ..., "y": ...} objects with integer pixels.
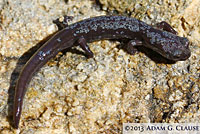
[
  {"x": 130, "y": 46},
  {"x": 63, "y": 23},
  {"x": 83, "y": 44},
  {"x": 165, "y": 26}
]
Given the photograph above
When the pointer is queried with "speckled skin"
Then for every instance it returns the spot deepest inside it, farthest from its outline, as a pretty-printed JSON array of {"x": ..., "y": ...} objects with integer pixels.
[{"x": 165, "y": 43}]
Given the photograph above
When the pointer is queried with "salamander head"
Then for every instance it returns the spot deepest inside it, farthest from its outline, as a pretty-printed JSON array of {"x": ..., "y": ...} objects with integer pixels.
[
  {"x": 176, "y": 49},
  {"x": 169, "y": 45},
  {"x": 181, "y": 51}
]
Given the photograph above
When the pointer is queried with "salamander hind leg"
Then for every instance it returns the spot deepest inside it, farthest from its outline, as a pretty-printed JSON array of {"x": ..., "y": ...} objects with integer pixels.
[
  {"x": 130, "y": 46},
  {"x": 62, "y": 23},
  {"x": 165, "y": 26},
  {"x": 83, "y": 44}
]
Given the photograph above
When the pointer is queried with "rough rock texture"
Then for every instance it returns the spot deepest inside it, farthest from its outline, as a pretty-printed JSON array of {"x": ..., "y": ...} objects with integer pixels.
[{"x": 73, "y": 94}]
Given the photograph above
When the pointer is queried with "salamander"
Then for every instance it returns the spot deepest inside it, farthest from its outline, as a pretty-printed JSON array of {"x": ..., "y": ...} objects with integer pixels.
[{"x": 162, "y": 39}]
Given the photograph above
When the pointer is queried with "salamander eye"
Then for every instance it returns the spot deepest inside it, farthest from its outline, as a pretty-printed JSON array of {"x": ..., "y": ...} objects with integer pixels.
[{"x": 177, "y": 53}]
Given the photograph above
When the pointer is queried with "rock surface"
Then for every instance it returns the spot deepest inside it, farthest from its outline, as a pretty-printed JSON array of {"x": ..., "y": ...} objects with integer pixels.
[{"x": 73, "y": 94}]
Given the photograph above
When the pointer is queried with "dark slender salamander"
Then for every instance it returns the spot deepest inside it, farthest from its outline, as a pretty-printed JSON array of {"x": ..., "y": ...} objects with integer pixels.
[{"x": 162, "y": 39}]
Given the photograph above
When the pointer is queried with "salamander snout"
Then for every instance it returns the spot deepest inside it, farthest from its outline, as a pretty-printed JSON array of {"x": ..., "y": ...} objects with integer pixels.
[{"x": 182, "y": 52}]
